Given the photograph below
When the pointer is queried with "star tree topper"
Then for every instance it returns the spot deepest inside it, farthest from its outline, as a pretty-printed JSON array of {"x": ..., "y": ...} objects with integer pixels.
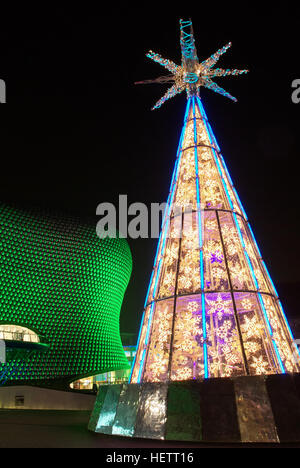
[{"x": 191, "y": 74}]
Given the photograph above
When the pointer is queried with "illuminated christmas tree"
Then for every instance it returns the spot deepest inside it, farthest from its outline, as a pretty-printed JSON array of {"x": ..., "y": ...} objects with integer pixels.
[
  {"x": 212, "y": 309},
  {"x": 216, "y": 359}
]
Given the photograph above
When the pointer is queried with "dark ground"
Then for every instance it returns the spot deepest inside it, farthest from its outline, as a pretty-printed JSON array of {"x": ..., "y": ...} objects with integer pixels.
[{"x": 68, "y": 429}]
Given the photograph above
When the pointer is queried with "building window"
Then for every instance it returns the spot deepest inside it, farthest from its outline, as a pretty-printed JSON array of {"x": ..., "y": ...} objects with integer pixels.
[
  {"x": 17, "y": 333},
  {"x": 107, "y": 378}
]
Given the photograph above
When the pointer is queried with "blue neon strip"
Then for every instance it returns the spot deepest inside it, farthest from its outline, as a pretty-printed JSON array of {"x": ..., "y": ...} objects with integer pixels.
[
  {"x": 205, "y": 360},
  {"x": 151, "y": 278},
  {"x": 250, "y": 229},
  {"x": 223, "y": 180},
  {"x": 265, "y": 314},
  {"x": 197, "y": 181},
  {"x": 158, "y": 272},
  {"x": 203, "y": 316},
  {"x": 275, "y": 290},
  {"x": 278, "y": 357},
  {"x": 245, "y": 251},
  {"x": 138, "y": 340},
  {"x": 201, "y": 265},
  {"x": 164, "y": 231},
  {"x": 216, "y": 158},
  {"x": 146, "y": 344},
  {"x": 215, "y": 140},
  {"x": 239, "y": 202},
  {"x": 214, "y": 143},
  {"x": 233, "y": 187},
  {"x": 286, "y": 321}
]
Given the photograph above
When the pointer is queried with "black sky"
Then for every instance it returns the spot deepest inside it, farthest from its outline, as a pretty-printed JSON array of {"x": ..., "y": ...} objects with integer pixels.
[{"x": 76, "y": 132}]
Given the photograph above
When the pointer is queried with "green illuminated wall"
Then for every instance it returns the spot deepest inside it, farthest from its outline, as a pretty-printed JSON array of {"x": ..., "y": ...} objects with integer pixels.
[{"x": 63, "y": 282}]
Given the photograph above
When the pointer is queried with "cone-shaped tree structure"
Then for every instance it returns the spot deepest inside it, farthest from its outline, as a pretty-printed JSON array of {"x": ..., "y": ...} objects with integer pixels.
[
  {"x": 211, "y": 309},
  {"x": 213, "y": 325}
]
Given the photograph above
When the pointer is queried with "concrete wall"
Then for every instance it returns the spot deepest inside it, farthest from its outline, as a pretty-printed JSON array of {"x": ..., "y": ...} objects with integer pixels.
[{"x": 25, "y": 397}]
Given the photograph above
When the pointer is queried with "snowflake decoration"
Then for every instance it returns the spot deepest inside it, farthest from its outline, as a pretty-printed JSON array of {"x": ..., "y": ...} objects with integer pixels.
[
  {"x": 185, "y": 373},
  {"x": 218, "y": 273},
  {"x": 260, "y": 365},
  {"x": 219, "y": 306},
  {"x": 251, "y": 327},
  {"x": 239, "y": 274},
  {"x": 251, "y": 346},
  {"x": 205, "y": 154},
  {"x": 211, "y": 225},
  {"x": 193, "y": 306},
  {"x": 247, "y": 304}
]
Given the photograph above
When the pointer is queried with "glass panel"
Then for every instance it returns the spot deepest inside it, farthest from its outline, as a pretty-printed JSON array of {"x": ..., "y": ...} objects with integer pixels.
[
  {"x": 225, "y": 175},
  {"x": 188, "y": 139},
  {"x": 156, "y": 367},
  {"x": 151, "y": 415},
  {"x": 124, "y": 422},
  {"x": 280, "y": 334},
  {"x": 187, "y": 351},
  {"x": 257, "y": 343},
  {"x": 202, "y": 136},
  {"x": 197, "y": 112},
  {"x": 239, "y": 269},
  {"x": 189, "y": 265},
  {"x": 211, "y": 188},
  {"x": 167, "y": 280},
  {"x": 231, "y": 192},
  {"x": 256, "y": 264},
  {"x": 215, "y": 273},
  {"x": 186, "y": 185},
  {"x": 224, "y": 350}
]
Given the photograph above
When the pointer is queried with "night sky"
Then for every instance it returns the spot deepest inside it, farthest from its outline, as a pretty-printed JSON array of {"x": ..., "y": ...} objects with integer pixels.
[{"x": 76, "y": 132}]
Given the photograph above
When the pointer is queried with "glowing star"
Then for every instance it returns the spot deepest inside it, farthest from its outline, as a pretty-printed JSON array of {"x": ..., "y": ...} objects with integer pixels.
[{"x": 191, "y": 74}]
